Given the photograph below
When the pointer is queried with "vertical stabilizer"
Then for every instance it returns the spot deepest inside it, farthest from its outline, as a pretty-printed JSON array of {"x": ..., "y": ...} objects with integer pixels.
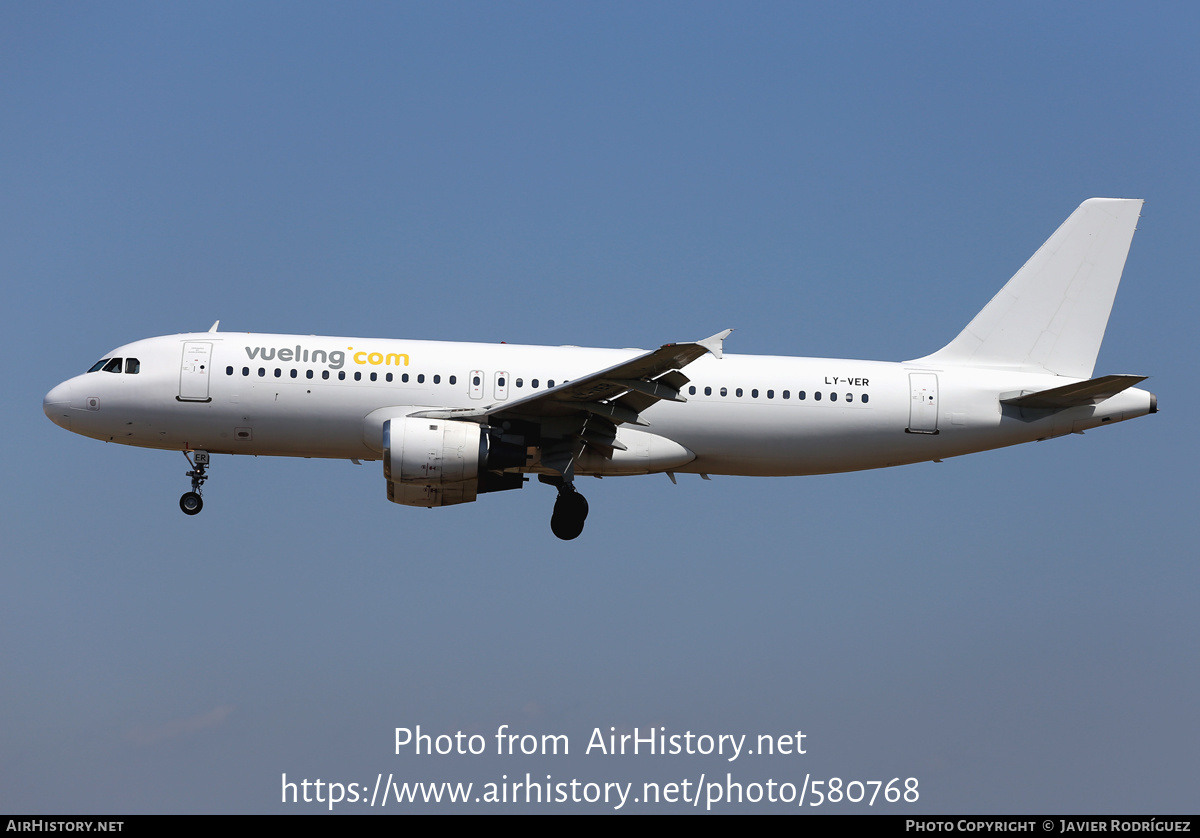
[{"x": 1051, "y": 316}]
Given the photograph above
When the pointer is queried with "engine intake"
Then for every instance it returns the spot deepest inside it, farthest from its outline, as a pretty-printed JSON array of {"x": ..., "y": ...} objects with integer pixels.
[{"x": 440, "y": 462}]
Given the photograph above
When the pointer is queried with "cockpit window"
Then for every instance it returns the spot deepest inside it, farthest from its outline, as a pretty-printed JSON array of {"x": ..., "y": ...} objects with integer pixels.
[
  {"x": 96, "y": 367},
  {"x": 132, "y": 366},
  {"x": 113, "y": 366}
]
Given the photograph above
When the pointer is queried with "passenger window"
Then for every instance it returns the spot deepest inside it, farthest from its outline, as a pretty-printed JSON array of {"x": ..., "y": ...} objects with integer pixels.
[
  {"x": 500, "y": 382},
  {"x": 770, "y": 394},
  {"x": 833, "y": 397},
  {"x": 325, "y": 374},
  {"x": 437, "y": 379},
  {"x": 389, "y": 378},
  {"x": 708, "y": 391},
  {"x": 849, "y": 397},
  {"x": 342, "y": 375},
  {"x": 229, "y": 370},
  {"x": 520, "y": 382},
  {"x": 739, "y": 392},
  {"x": 261, "y": 372},
  {"x": 475, "y": 381},
  {"x": 801, "y": 395},
  {"x": 113, "y": 366},
  {"x": 295, "y": 373},
  {"x": 754, "y": 394},
  {"x": 245, "y": 370},
  {"x": 453, "y": 379},
  {"x": 421, "y": 378},
  {"x": 533, "y": 384},
  {"x": 724, "y": 392},
  {"x": 278, "y": 372},
  {"x": 816, "y": 395},
  {"x": 865, "y": 398},
  {"x": 374, "y": 376},
  {"x": 308, "y": 374},
  {"x": 358, "y": 376},
  {"x": 787, "y": 394},
  {"x": 132, "y": 367},
  {"x": 692, "y": 390},
  {"x": 404, "y": 377},
  {"x": 550, "y": 383}
]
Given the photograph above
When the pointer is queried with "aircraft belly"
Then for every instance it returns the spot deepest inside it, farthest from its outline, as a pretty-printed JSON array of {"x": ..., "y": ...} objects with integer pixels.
[
  {"x": 644, "y": 453},
  {"x": 281, "y": 420},
  {"x": 786, "y": 439},
  {"x": 821, "y": 438}
]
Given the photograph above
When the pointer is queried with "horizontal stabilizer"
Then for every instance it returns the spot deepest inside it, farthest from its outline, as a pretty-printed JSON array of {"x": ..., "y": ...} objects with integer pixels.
[{"x": 1088, "y": 392}]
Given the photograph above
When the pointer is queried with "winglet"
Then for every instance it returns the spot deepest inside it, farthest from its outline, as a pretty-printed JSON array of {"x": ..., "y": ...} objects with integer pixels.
[
  {"x": 215, "y": 325},
  {"x": 716, "y": 343}
]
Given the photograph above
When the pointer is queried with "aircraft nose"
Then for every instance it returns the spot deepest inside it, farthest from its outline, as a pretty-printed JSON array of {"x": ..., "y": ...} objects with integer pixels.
[{"x": 57, "y": 405}]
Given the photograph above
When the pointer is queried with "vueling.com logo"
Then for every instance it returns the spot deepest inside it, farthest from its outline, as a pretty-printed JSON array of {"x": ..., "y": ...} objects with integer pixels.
[{"x": 335, "y": 359}]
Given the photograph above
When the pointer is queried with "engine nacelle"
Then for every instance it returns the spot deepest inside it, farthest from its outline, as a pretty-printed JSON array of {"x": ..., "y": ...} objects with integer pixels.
[{"x": 441, "y": 462}]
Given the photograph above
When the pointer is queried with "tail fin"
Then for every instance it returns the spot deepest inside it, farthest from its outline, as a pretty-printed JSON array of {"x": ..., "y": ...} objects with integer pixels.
[{"x": 1051, "y": 316}]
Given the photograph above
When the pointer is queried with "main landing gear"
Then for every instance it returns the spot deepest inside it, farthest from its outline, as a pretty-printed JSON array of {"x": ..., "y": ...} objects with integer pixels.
[
  {"x": 191, "y": 503},
  {"x": 570, "y": 511}
]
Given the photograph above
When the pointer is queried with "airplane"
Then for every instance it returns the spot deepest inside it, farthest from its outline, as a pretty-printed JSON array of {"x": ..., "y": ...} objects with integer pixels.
[{"x": 452, "y": 421}]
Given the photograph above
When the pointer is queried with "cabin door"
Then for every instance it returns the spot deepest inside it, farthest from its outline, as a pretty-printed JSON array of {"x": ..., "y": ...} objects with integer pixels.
[
  {"x": 193, "y": 374},
  {"x": 923, "y": 409}
]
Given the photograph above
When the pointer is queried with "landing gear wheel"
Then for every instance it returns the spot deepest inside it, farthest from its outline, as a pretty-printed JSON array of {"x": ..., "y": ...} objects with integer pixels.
[
  {"x": 191, "y": 503},
  {"x": 570, "y": 511}
]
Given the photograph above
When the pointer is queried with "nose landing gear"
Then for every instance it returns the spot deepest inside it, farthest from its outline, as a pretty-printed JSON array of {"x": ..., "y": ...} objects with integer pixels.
[{"x": 191, "y": 503}]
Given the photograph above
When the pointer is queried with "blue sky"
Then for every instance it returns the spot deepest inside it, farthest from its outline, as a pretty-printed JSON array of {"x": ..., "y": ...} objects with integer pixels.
[{"x": 1015, "y": 629}]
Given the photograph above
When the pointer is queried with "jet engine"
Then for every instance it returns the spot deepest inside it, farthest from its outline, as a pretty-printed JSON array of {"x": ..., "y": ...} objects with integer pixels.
[{"x": 440, "y": 462}]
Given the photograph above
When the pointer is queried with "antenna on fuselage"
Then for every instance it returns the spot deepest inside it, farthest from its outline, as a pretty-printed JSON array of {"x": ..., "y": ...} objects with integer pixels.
[{"x": 215, "y": 324}]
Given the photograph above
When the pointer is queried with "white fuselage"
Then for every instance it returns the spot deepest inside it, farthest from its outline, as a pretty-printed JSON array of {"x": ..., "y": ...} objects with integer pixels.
[{"x": 309, "y": 396}]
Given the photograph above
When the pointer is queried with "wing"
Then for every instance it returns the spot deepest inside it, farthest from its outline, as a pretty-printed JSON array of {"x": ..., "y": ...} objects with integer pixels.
[{"x": 587, "y": 410}]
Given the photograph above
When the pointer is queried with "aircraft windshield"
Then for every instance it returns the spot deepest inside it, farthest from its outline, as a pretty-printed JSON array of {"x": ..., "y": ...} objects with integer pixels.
[{"x": 132, "y": 365}]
